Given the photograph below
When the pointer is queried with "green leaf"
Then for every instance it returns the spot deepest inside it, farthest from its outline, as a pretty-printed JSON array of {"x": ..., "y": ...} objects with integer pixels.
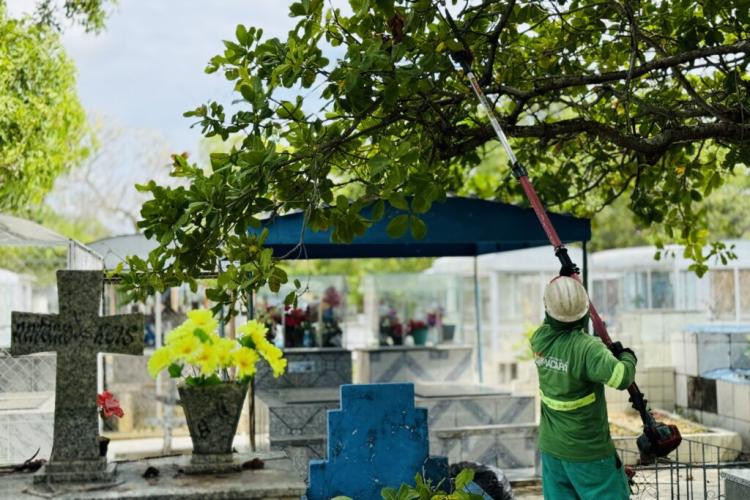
[
  {"x": 397, "y": 226},
  {"x": 397, "y": 200},
  {"x": 420, "y": 204},
  {"x": 463, "y": 478},
  {"x": 241, "y": 33},
  {"x": 418, "y": 228},
  {"x": 389, "y": 494},
  {"x": 175, "y": 370},
  {"x": 202, "y": 336},
  {"x": 378, "y": 210}
]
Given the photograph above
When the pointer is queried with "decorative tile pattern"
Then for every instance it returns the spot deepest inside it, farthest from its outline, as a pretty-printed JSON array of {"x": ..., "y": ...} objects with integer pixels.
[
  {"x": 317, "y": 368},
  {"x": 502, "y": 446},
  {"x": 301, "y": 453},
  {"x": 421, "y": 365},
  {"x": 450, "y": 413},
  {"x": 298, "y": 420},
  {"x": 27, "y": 374}
]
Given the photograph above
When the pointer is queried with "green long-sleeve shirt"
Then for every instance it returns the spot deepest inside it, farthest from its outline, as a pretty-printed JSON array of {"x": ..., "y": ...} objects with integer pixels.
[{"x": 573, "y": 367}]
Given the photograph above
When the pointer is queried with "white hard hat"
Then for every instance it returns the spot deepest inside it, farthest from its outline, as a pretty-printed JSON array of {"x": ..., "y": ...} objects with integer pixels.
[{"x": 565, "y": 299}]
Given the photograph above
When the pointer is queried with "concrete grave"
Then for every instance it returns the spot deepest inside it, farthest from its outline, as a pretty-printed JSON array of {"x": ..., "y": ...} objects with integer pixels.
[
  {"x": 737, "y": 484},
  {"x": 376, "y": 440},
  {"x": 291, "y": 410},
  {"x": 77, "y": 335},
  {"x": 274, "y": 481}
]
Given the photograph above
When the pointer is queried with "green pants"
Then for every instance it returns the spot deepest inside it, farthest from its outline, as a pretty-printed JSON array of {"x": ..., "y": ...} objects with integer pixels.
[{"x": 599, "y": 479}]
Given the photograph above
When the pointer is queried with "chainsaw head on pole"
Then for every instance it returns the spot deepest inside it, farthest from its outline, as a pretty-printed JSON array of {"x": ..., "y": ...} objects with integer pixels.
[{"x": 658, "y": 440}]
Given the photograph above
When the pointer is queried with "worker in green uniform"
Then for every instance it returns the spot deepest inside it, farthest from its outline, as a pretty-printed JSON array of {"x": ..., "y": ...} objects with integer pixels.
[{"x": 578, "y": 457}]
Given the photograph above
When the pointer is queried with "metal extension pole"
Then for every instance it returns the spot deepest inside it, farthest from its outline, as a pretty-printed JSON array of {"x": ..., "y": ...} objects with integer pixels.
[{"x": 519, "y": 172}]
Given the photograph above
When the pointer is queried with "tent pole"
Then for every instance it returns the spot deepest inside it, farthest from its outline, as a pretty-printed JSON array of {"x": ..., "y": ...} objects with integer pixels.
[
  {"x": 585, "y": 266},
  {"x": 585, "y": 276},
  {"x": 477, "y": 309}
]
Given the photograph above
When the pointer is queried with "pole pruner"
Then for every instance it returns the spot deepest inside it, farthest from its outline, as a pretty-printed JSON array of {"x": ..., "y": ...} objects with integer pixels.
[{"x": 658, "y": 439}]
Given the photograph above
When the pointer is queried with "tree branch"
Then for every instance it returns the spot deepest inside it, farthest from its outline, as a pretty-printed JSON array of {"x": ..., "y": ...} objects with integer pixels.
[
  {"x": 494, "y": 37},
  {"x": 562, "y": 82},
  {"x": 652, "y": 147}
]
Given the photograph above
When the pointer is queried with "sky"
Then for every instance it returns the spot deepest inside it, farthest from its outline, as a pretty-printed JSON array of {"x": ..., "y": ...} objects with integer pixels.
[
  {"x": 137, "y": 78},
  {"x": 146, "y": 69}
]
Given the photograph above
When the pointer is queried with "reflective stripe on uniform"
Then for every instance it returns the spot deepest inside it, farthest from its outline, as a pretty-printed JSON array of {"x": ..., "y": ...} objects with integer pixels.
[
  {"x": 617, "y": 374},
  {"x": 558, "y": 405}
]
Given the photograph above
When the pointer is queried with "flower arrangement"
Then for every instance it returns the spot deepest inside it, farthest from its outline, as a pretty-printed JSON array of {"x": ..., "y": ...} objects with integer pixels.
[
  {"x": 331, "y": 296},
  {"x": 416, "y": 324},
  {"x": 108, "y": 405},
  {"x": 195, "y": 351},
  {"x": 295, "y": 318}
]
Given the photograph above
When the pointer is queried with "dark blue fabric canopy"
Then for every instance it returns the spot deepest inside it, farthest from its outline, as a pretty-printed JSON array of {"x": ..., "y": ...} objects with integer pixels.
[{"x": 455, "y": 227}]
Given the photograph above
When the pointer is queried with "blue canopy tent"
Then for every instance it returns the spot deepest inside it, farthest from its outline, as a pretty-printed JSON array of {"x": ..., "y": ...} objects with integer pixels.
[{"x": 455, "y": 227}]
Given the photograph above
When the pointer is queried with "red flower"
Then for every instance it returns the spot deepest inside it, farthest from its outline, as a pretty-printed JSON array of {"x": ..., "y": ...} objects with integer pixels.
[
  {"x": 416, "y": 324},
  {"x": 294, "y": 317},
  {"x": 108, "y": 405}
]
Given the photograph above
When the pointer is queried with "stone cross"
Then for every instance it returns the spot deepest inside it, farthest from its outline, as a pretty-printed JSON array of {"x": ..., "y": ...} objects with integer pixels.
[{"x": 77, "y": 334}]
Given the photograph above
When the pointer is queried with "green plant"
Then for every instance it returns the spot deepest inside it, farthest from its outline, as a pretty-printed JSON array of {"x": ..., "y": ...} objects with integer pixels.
[{"x": 425, "y": 490}]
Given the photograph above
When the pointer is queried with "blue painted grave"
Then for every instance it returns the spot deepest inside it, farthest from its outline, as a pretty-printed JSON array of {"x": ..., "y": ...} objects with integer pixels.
[{"x": 377, "y": 439}]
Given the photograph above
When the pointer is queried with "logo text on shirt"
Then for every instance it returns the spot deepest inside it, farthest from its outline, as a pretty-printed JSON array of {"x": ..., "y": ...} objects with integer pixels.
[{"x": 551, "y": 363}]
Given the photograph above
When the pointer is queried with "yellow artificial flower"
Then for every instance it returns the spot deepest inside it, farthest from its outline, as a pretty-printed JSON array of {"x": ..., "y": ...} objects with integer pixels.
[
  {"x": 178, "y": 333},
  {"x": 203, "y": 319},
  {"x": 254, "y": 328},
  {"x": 268, "y": 350},
  {"x": 278, "y": 365},
  {"x": 224, "y": 348},
  {"x": 185, "y": 347},
  {"x": 206, "y": 359},
  {"x": 159, "y": 360},
  {"x": 244, "y": 359},
  {"x": 257, "y": 333}
]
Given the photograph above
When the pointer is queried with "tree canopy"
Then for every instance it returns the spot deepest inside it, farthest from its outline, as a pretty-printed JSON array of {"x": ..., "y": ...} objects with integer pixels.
[
  {"x": 600, "y": 98},
  {"x": 42, "y": 124}
]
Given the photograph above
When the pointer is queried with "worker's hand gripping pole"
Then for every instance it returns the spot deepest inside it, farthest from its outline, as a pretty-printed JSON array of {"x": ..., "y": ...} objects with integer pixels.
[{"x": 658, "y": 439}]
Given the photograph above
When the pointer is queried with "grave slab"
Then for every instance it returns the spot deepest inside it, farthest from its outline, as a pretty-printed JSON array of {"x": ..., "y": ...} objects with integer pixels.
[
  {"x": 737, "y": 484},
  {"x": 308, "y": 367},
  {"x": 377, "y": 439},
  {"x": 77, "y": 334},
  {"x": 275, "y": 481}
]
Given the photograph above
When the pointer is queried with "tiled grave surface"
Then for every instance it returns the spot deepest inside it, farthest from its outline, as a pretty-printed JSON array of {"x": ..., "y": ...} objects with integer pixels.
[
  {"x": 26, "y": 423},
  {"x": 453, "y": 364},
  {"x": 712, "y": 376},
  {"x": 308, "y": 368},
  {"x": 505, "y": 446},
  {"x": 462, "y": 405},
  {"x": 737, "y": 484},
  {"x": 294, "y": 412},
  {"x": 658, "y": 384},
  {"x": 27, "y": 374},
  {"x": 275, "y": 481}
]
